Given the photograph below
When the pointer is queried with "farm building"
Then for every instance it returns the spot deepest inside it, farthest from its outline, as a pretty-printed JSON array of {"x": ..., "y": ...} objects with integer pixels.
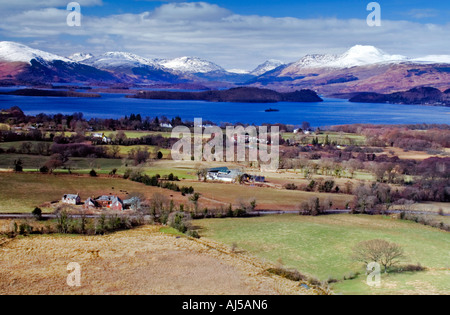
[
  {"x": 132, "y": 203},
  {"x": 90, "y": 203},
  {"x": 71, "y": 199},
  {"x": 222, "y": 174},
  {"x": 101, "y": 137},
  {"x": 110, "y": 201}
]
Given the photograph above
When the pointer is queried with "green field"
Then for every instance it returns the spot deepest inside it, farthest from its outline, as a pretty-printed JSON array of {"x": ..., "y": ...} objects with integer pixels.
[
  {"x": 125, "y": 150},
  {"x": 134, "y": 134},
  {"x": 339, "y": 138},
  {"x": 78, "y": 165},
  {"x": 321, "y": 247}
]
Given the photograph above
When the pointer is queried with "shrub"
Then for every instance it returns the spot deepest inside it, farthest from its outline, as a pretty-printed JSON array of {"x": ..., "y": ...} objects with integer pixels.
[
  {"x": 25, "y": 229},
  {"x": 93, "y": 173},
  {"x": 37, "y": 213},
  {"x": 63, "y": 222},
  {"x": 193, "y": 234},
  {"x": 291, "y": 186},
  {"x": 179, "y": 221},
  {"x": 410, "y": 268},
  {"x": 44, "y": 169}
]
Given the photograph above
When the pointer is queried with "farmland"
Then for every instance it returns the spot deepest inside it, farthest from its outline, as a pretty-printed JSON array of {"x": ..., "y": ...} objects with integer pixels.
[
  {"x": 322, "y": 246},
  {"x": 141, "y": 261},
  {"x": 23, "y": 192}
]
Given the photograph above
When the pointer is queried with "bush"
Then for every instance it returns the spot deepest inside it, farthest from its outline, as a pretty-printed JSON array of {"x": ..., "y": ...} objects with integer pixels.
[
  {"x": 179, "y": 221},
  {"x": 410, "y": 268},
  {"x": 25, "y": 229},
  {"x": 93, "y": 173},
  {"x": 193, "y": 234},
  {"x": 37, "y": 213},
  {"x": 63, "y": 222},
  {"x": 44, "y": 169},
  {"x": 290, "y": 186}
]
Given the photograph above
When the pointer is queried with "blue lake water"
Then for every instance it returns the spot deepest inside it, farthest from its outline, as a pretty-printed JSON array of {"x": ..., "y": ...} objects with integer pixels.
[{"x": 329, "y": 112}]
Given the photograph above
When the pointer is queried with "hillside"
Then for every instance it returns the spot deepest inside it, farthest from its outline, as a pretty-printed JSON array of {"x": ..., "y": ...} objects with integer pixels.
[
  {"x": 50, "y": 93},
  {"x": 417, "y": 96}
]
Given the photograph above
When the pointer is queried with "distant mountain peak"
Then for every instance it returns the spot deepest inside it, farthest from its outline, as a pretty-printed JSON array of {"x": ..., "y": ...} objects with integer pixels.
[
  {"x": 268, "y": 65},
  {"x": 191, "y": 65},
  {"x": 358, "y": 55},
  {"x": 114, "y": 59},
  {"x": 15, "y": 52},
  {"x": 79, "y": 57}
]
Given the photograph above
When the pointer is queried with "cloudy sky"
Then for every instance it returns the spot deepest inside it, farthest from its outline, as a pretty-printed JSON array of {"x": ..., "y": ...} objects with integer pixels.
[{"x": 233, "y": 33}]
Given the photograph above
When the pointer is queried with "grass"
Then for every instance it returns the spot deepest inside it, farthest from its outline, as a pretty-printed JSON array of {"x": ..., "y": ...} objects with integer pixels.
[
  {"x": 142, "y": 261},
  {"x": 339, "y": 138},
  {"x": 125, "y": 150},
  {"x": 135, "y": 134},
  {"x": 266, "y": 198},
  {"x": 34, "y": 162},
  {"x": 4, "y": 127},
  {"x": 23, "y": 192},
  {"x": 321, "y": 246}
]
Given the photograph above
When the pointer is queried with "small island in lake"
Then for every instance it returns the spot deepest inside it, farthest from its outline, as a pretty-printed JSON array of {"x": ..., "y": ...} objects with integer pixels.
[
  {"x": 234, "y": 95},
  {"x": 271, "y": 110}
]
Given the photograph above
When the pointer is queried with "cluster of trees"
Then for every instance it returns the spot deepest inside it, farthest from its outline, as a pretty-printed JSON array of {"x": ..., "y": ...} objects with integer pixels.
[
  {"x": 314, "y": 206},
  {"x": 409, "y": 137}
]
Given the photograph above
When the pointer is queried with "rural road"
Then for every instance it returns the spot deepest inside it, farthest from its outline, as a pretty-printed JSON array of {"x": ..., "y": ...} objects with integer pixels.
[{"x": 6, "y": 216}]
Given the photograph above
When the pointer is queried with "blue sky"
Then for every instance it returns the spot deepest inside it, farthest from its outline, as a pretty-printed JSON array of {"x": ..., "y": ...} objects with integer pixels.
[
  {"x": 425, "y": 11},
  {"x": 233, "y": 33}
]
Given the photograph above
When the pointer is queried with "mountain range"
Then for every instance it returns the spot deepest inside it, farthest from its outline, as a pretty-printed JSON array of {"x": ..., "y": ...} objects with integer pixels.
[{"x": 360, "y": 69}]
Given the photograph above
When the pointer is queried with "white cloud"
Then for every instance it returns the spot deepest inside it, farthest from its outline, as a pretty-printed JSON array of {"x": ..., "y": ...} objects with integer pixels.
[{"x": 212, "y": 32}]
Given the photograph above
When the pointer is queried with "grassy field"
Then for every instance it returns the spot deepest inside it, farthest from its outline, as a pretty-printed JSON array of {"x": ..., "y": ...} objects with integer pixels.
[
  {"x": 338, "y": 138},
  {"x": 266, "y": 198},
  {"x": 4, "y": 127},
  {"x": 34, "y": 162},
  {"x": 23, "y": 192},
  {"x": 141, "y": 261},
  {"x": 321, "y": 247},
  {"x": 125, "y": 150},
  {"x": 135, "y": 134}
]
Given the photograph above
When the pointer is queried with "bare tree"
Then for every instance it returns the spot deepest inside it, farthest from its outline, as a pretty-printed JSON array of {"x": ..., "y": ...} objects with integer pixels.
[{"x": 380, "y": 251}]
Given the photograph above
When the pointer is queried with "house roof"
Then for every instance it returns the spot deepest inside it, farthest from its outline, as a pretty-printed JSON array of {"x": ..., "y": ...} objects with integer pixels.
[
  {"x": 219, "y": 169},
  {"x": 109, "y": 198},
  {"x": 70, "y": 196}
]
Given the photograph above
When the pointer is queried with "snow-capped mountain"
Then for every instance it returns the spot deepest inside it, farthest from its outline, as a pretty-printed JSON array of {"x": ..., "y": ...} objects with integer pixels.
[
  {"x": 349, "y": 72},
  {"x": 267, "y": 66},
  {"x": 191, "y": 65},
  {"x": 79, "y": 57},
  {"x": 15, "y": 52},
  {"x": 238, "y": 71},
  {"x": 432, "y": 59},
  {"x": 356, "y": 56},
  {"x": 116, "y": 59}
]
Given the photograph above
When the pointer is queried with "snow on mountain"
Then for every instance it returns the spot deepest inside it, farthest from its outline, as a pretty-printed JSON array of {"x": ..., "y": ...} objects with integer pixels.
[
  {"x": 267, "y": 66},
  {"x": 238, "y": 71},
  {"x": 15, "y": 52},
  {"x": 79, "y": 57},
  {"x": 191, "y": 65},
  {"x": 118, "y": 59},
  {"x": 431, "y": 59},
  {"x": 356, "y": 56}
]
